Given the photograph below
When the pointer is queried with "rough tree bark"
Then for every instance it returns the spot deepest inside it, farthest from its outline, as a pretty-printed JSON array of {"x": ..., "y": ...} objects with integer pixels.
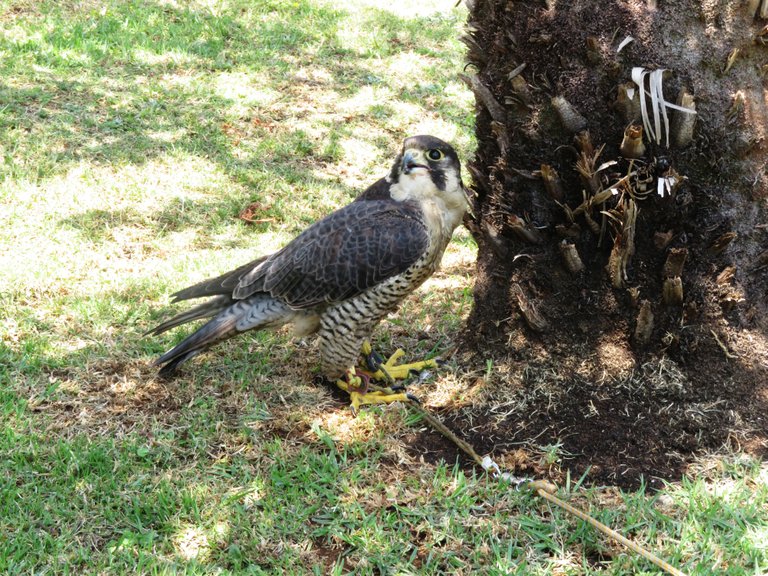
[{"x": 642, "y": 316}]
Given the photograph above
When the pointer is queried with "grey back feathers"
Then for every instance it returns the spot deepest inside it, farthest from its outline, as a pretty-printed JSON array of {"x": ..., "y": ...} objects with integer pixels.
[{"x": 342, "y": 255}]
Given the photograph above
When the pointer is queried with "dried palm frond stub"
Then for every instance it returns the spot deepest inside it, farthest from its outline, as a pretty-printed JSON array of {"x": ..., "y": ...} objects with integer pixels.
[
  {"x": 628, "y": 103},
  {"x": 524, "y": 230},
  {"x": 732, "y": 57},
  {"x": 730, "y": 296},
  {"x": 662, "y": 239},
  {"x": 762, "y": 36},
  {"x": 522, "y": 92},
  {"x": 721, "y": 243},
  {"x": 484, "y": 95},
  {"x": 763, "y": 12},
  {"x": 726, "y": 276},
  {"x": 593, "y": 50},
  {"x": 499, "y": 130},
  {"x": 583, "y": 141},
  {"x": 624, "y": 218},
  {"x": 634, "y": 295},
  {"x": 731, "y": 301},
  {"x": 592, "y": 224},
  {"x": 586, "y": 166},
  {"x": 529, "y": 311},
  {"x": 552, "y": 183},
  {"x": 673, "y": 291},
  {"x": 614, "y": 266},
  {"x": 737, "y": 107},
  {"x": 602, "y": 197},
  {"x": 569, "y": 116},
  {"x": 516, "y": 72},
  {"x": 491, "y": 235},
  {"x": 571, "y": 257},
  {"x": 475, "y": 52},
  {"x": 683, "y": 122},
  {"x": 675, "y": 262},
  {"x": 644, "y": 325},
  {"x": 632, "y": 145}
]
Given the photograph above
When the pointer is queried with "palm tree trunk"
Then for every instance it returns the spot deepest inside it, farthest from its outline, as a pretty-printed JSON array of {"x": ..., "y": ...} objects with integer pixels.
[{"x": 621, "y": 195}]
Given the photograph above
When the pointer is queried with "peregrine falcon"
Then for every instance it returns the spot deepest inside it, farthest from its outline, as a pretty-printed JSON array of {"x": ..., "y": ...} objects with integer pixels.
[{"x": 342, "y": 275}]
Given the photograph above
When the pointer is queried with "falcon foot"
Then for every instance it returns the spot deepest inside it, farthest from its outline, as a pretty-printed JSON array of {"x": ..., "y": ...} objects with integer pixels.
[
  {"x": 390, "y": 370},
  {"x": 362, "y": 392}
]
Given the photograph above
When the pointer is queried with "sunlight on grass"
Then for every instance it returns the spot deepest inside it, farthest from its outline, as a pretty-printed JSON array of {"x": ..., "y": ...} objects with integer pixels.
[
  {"x": 756, "y": 539},
  {"x": 358, "y": 152},
  {"x": 173, "y": 58},
  {"x": 339, "y": 427},
  {"x": 110, "y": 207},
  {"x": 245, "y": 90},
  {"x": 192, "y": 544}
]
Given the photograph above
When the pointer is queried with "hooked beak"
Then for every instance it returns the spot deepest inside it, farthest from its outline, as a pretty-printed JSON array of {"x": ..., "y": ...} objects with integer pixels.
[{"x": 413, "y": 159}]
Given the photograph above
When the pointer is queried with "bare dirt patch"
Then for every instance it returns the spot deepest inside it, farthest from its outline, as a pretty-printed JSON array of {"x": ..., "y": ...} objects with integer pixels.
[{"x": 570, "y": 403}]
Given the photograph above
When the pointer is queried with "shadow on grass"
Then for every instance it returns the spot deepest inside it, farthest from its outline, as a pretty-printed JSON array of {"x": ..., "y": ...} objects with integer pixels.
[
  {"x": 222, "y": 467},
  {"x": 124, "y": 86}
]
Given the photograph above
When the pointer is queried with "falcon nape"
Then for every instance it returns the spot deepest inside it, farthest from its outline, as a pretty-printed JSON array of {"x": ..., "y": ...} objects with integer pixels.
[{"x": 342, "y": 275}]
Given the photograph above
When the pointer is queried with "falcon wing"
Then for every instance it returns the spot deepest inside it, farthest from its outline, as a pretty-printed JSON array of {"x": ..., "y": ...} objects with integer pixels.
[{"x": 341, "y": 255}]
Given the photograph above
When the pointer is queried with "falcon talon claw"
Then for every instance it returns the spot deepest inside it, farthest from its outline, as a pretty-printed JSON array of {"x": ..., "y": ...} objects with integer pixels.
[{"x": 413, "y": 398}]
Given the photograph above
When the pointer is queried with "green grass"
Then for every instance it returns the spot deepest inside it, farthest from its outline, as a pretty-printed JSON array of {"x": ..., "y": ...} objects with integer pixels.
[{"x": 132, "y": 134}]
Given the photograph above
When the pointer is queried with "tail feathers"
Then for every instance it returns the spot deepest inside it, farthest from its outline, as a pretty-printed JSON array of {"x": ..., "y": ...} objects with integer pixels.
[
  {"x": 205, "y": 310},
  {"x": 258, "y": 312},
  {"x": 224, "y": 284}
]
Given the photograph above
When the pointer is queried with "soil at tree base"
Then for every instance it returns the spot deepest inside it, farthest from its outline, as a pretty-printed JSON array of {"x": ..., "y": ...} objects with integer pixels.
[{"x": 620, "y": 410}]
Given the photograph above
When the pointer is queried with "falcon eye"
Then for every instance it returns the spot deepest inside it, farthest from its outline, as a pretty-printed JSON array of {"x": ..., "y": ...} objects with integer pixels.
[{"x": 435, "y": 154}]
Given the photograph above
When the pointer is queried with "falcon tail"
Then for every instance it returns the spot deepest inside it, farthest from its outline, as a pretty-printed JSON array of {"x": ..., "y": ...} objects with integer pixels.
[
  {"x": 205, "y": 310},
  {"x": 257, "y": 312}
]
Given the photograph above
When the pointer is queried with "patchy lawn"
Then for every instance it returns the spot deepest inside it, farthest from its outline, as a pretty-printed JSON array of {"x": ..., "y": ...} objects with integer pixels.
[{"x": 150, "y": 144}]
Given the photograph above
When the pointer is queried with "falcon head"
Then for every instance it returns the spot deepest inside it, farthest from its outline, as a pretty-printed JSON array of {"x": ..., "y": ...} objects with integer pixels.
[{"x": 428, "y": 170}]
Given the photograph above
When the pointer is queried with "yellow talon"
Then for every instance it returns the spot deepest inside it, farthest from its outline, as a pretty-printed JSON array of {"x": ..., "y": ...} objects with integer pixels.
[
  {"x": 358, "y": 387},
  {"x": 359, "y": 395},
  {"x": 390, "y": 370},
  {"x": 375, "y": 397}
]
